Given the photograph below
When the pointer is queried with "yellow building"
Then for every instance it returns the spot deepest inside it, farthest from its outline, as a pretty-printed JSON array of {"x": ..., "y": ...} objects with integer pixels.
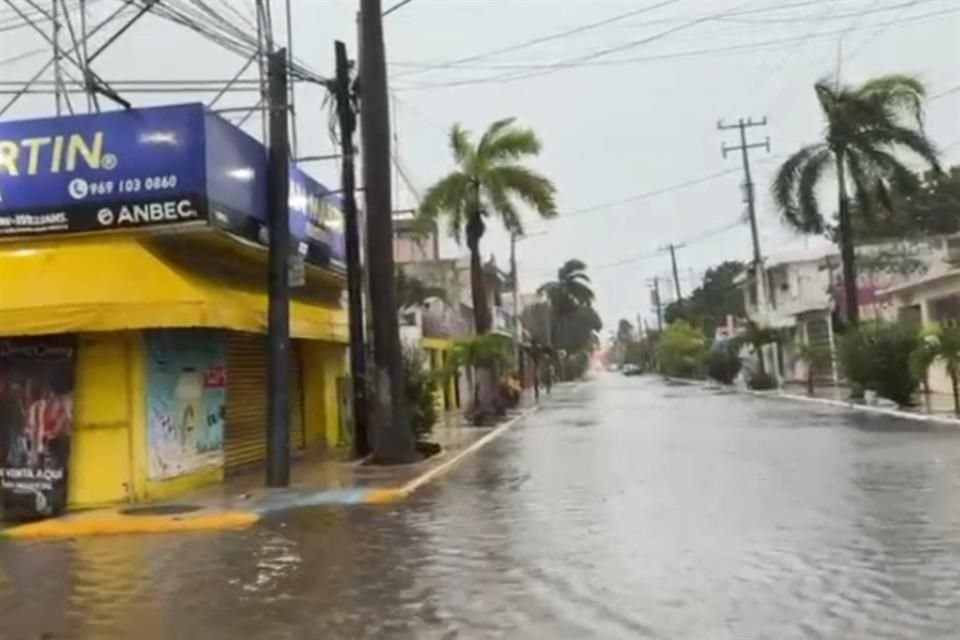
[
  {"x": 120, "y": 297},
  {"x": 133, "y": 307}
]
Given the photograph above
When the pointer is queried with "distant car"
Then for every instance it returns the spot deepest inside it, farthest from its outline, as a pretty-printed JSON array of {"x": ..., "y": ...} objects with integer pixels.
[{"x": 631, "y": 370}]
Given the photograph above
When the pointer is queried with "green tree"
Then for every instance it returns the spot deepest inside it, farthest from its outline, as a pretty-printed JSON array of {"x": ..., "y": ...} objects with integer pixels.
[
  {"x": 571, "y": 289},
  {"x": 934, "y": 210},
  {"x": 683, "y": 350},
  {"x": 941, "y": 344},
  {"x": 709, "y": 304},
  {"x": 624, "y": 332},
  {"x": 573, "y": 320},
  {"x": 878, "y": 356},
  {"x": 865, "y": 125},
  {"x": 489, "y": 180}
]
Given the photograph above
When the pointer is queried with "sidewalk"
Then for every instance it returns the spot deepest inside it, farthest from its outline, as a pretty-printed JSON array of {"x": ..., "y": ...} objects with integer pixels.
[{"x": 242, "y": 500}]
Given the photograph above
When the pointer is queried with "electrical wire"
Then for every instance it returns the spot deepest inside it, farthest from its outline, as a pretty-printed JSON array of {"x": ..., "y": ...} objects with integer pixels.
[
  {"x": 647, "y": 194},
  {"x": 539, "y": 40},
  {"x": 573, "y": 62},
  {"x": 700, "y": 237},
  {"x": 744, "y": 47},
  {"x": 561, "y": 34},
  {"x": 395, "y": 7}
]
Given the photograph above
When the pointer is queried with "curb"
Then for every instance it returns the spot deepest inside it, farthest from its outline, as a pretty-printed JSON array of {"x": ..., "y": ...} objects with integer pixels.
[
  {"x": 114, "y": 522},
  {"x": 104, "y": 522},
  {"x": 840, "y": 404},
  {"x": 384, "y": 495},
  {"x": 896, "y": 413}
]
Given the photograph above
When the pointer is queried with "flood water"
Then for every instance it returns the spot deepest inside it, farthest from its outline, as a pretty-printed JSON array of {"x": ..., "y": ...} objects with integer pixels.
[{"x": 626, "y": 508}]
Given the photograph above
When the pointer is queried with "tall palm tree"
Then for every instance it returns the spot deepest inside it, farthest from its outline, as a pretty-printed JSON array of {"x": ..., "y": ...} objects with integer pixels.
[
  {"x": 570, "y": 290},
  {"x": 865, "y": 126},
  {"x": 488, "y": 181}
]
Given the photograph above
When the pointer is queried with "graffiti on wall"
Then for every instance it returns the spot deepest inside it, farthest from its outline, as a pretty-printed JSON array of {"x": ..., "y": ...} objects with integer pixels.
[{"x": 186, "y": 397}]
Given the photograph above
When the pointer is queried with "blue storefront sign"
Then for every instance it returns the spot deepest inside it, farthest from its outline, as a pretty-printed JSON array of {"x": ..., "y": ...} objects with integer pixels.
[{"x": 157, "y": 168}]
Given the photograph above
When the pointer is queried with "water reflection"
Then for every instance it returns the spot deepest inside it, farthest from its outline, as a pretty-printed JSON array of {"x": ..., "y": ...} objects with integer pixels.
[{"x": 624, "y": 509}]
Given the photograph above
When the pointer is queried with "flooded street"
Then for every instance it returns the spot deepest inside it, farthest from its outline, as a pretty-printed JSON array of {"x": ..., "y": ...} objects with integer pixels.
[{"x": 626, "y": 508}]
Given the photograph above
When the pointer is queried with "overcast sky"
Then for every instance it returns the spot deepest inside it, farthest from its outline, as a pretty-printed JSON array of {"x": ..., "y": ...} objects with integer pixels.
[{"x": 630, "y": 111}]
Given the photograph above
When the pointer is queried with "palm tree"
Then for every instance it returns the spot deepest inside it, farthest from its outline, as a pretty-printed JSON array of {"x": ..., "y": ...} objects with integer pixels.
[
  {"x": 943, "y": 344},
  {"x": 489, "y": 180},
  {"x": 865, "y": 126},
  {"x": 571, "y": 289}
]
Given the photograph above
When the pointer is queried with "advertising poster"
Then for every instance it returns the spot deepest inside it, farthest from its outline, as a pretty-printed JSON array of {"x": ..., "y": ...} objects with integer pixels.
[
  {"x": 36, "y": 420},
  {"x": 186, "y": 398}
]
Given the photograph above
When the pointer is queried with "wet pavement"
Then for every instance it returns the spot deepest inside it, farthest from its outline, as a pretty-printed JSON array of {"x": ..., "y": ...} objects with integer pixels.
[{"x": 626, "y": 508}]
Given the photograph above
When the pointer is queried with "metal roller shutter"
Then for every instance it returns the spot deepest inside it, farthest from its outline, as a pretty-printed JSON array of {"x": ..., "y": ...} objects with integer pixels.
[{"x": 245, "y": 441}]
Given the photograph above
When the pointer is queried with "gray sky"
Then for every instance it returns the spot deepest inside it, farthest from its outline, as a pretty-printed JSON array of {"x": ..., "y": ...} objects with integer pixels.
[{"x": 615, "y": 125}]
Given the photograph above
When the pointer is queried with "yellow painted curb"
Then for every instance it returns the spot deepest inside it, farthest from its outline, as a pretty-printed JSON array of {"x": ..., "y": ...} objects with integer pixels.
[
  {"x": 384, "y": 495},
  {"x": 116, "y": 523}
]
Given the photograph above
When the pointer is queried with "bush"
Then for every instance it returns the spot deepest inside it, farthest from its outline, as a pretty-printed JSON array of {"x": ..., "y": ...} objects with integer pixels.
[
  {"x": 723, "y": 362},
  {"x": 876, "y": 356},
  {"x": 683, "y": 351},
  {"x": 761, "y": 381},
  {"x": 419, "y": 385}
]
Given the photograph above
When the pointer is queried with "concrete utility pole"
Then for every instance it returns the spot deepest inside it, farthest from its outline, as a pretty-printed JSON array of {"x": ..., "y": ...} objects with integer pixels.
[
  {"x": 744, "y": 149},
  {"x": 278, "y": 306},
  {"x": 358, "y": 354},
  {"x": 657, "y": 303},
  {"x": 676, "y": 274},
  {"x": 393, "y": 442}
]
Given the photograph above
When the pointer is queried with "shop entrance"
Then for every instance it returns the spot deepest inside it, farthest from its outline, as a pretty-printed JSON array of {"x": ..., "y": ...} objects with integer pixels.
[{"x": 245, "y": 437}]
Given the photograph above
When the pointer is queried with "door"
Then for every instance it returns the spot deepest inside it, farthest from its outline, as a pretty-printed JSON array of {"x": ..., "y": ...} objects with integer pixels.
[{"x": 245, "y": 437}]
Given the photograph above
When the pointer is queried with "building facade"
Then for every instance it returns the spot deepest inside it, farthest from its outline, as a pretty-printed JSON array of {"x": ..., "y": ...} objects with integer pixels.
[{"x": 140, "y": 262}]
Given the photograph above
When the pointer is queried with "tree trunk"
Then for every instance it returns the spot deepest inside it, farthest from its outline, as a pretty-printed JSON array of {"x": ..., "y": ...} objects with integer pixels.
[
  {"x": 847, "y": 252},
  {"x": 810, "y": 373},
  {"x": 478, "y": 289},
  {"x": 393, "y": 441}
]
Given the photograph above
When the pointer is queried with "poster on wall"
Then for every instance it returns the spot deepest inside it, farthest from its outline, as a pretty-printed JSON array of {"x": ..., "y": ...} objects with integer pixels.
[
  {"x": 186, "y": 398},
  {"x": 36, "y": 420}
]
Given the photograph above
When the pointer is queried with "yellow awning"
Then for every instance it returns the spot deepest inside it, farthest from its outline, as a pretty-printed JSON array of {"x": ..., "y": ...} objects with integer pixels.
[{"x": 120, "y": 283}]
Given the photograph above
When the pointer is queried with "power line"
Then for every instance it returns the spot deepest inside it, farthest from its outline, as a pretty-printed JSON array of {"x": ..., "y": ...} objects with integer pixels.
[
  {"x": 557, "y": 35},
  {"x": 839, "y": 16},
  {"x": 396, "y": 7},
  {"x": 540, "y": 40},
  {"x": 943, "y": 94},
  {"x": 573, "y": 62},
  {"x": 646, "y": 194},
  {"x": 589, "y": 61},
  {"x": 697, "y": 238}
]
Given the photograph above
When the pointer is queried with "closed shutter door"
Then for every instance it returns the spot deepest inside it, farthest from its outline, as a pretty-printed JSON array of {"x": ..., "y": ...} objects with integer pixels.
[
  {"x": 245, "y": 438},
  {"x": 245, "y": 442}
]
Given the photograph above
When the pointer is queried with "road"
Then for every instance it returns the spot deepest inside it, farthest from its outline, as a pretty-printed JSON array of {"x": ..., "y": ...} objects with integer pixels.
[{"x": 626, "y": 508}]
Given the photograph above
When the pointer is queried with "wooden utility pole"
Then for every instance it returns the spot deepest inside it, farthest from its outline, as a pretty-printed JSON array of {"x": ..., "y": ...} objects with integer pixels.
[
  {"x": 358, "y": 354},
  {"x": 393, "y": 440},
  {"x": 278, "y": 306}
]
